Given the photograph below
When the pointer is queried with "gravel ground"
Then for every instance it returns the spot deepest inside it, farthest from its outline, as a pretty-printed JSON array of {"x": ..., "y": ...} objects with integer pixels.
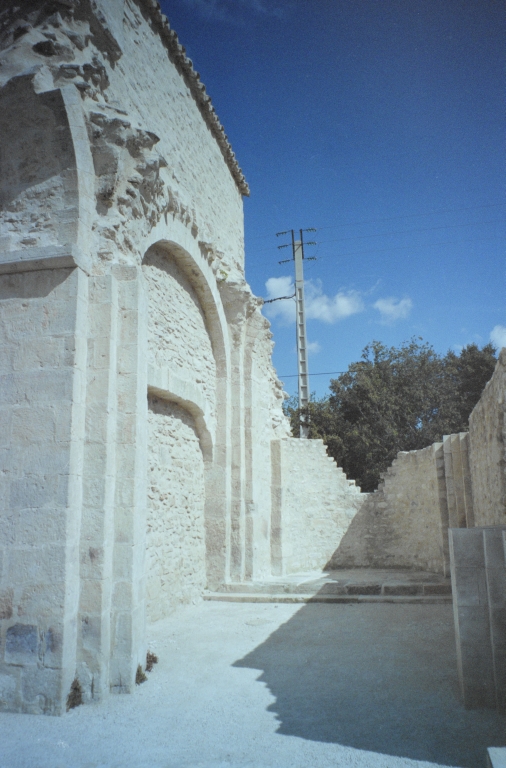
[{"x": 265, "y": 686}]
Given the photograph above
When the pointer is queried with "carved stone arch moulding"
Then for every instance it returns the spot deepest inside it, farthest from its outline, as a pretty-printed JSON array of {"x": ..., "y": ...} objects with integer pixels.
[{"x": 203, "y": 283}]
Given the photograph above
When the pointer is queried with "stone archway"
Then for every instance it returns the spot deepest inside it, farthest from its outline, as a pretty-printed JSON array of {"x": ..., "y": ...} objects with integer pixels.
[{"x": 182, "y": 428}]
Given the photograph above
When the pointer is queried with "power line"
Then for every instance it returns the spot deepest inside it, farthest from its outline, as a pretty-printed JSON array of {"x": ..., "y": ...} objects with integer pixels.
[
  {"x": 414, "y": 215},
  {"x": 403, "y": 232},
  {"x": 409, "y": 231},
  {"x": 409, "y": 247},
  {"x": 405, "y": 216},
  {"x": 412, "y": 247},
  {"x": 325, "y": 373}
]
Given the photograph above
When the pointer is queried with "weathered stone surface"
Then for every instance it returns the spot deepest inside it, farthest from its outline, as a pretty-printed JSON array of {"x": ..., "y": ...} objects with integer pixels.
[
  {"x": 144, "y": 454},
  {"x": 479, "y": 588},
  {"x": 487, "y": 450},
  {"x": 313, "y": 504},
  {"x": 138, "y": 401},
  {"x": 176, "y": 496},
  {"x": 401, "y": 524}
]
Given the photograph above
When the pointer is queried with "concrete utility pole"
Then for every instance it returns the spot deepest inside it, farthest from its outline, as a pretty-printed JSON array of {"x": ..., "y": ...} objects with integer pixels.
[{"x": 300, "y": 323}]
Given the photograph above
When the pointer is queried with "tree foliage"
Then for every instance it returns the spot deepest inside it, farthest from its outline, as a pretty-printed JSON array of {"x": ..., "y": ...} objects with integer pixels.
[{"x": 395, "y": 399}]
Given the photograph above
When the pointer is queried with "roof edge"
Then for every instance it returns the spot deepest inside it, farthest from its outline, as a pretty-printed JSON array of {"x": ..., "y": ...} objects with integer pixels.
[{"x": 197, "y": 89}]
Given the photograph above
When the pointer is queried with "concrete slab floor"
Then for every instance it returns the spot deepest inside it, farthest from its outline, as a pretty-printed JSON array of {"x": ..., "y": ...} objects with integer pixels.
[{"x": 277, "y": 686}]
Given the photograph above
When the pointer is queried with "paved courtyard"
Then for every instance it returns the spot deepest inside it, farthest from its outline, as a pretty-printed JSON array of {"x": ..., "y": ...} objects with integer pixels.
[{"x": 243, "y": 685}]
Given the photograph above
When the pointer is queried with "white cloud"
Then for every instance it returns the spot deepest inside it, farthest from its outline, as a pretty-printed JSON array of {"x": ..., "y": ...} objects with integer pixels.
[
  {"x": 330, "y": 309},
  {"x": 498, "y": 336},
  {"x": 319, "y": 306},
  {"x": 285, "y": 309},
  {"x": 313, "y": 347},
  {"x": 392, "y": 309}
]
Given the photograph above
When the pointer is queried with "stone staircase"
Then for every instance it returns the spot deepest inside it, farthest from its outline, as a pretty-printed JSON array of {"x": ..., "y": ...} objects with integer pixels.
[{"x": 360, "y": 585}]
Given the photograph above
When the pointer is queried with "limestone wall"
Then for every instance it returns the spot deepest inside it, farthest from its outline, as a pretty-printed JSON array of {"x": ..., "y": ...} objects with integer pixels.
[
  {"x": 264, "y": 420},
  {"x": 399, "y": 526},
  {"x": 42, "y": 365},
  {"x": 178, "y": 338},
  {"x": 153, "y": 154},
  {"x": 312, "y": 505},
  {"x": 196, "y": 186},
  {"x": 175, "y": 564},
  {"x": 122, "y": 266},
  {"x": 487, "y": 450}
]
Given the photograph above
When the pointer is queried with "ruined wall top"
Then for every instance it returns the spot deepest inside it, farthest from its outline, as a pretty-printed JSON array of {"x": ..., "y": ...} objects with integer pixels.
[
  {"x": 109, "y": 139},
  {"x": 15, "y": 21}
]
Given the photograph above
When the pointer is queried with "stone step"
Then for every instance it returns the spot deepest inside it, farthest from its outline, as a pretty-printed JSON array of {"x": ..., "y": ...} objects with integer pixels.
[
  {"x": 336, "y": 589},
  {"x": 496, "y": 757},
  {"x": 251, "y": 597},
  {"x": 341, "y": 586}
]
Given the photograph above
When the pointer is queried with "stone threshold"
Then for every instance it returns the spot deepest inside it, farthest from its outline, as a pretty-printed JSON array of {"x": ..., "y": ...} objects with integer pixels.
[
  {"x": 341, "y": 586},
  {"x": 238, "y": 597}
]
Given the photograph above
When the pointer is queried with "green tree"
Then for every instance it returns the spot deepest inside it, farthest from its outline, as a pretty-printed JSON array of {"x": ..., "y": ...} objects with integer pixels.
[{"x": 395, "y": 399}]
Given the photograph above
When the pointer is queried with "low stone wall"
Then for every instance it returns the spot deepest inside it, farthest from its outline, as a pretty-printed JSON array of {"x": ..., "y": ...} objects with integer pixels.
[
  {"x": 399, "y": 526},
  {"x": 313, "y": 504},
  {"x": 487, "y": 450}
]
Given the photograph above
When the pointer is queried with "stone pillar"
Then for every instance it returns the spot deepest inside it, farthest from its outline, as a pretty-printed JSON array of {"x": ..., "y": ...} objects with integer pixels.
[
  {"x": 479, "y": 605},
  {"x": 237, "y": 525},
  {"x": 258, "y": 427},
  {"x": 128, "y": 594},
  {"x": 443, "y": 505},
  {"x": 97, "y": 530},
  {"x": 466, "y": 472},
  {"x": 458, "y": 480},
  {"x": 43, "y": 316},
  {"x": 218, "y": 482},
  {"x": 276, "y": 510}
]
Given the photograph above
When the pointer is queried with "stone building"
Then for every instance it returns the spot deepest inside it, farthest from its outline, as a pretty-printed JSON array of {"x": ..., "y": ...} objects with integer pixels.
[
  {"x": 144, "y": 455},
  {"x": 144, "y": 452}
]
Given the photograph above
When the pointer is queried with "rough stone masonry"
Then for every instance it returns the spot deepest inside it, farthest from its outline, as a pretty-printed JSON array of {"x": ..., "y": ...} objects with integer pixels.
[
  {"x": 144, "y": 455},
  {"x": 142, "y": 438}
]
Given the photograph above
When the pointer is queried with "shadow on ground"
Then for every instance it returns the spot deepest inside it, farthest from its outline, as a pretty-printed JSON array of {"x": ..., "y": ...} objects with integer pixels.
[{"x": 375, "y": 677}]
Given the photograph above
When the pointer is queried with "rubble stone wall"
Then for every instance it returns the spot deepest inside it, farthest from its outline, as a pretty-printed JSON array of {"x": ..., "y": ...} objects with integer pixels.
[
  {"x": 175, "y": 546},
  {"x": 399, "y": 525},
  {"x": 177, "y": 335},
  {"x": 487, "y": 432}
]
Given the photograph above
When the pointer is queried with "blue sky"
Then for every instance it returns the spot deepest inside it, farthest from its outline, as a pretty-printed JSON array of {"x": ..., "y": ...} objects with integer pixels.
[{"x": 382, "y": 124}]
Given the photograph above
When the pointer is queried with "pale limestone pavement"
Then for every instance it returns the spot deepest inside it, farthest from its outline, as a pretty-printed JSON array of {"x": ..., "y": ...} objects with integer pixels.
[{"x": 267, "y": 686}]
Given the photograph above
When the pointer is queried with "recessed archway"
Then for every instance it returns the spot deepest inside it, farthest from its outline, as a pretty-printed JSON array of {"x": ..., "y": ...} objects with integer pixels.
[{"x": 187, "y": 429}]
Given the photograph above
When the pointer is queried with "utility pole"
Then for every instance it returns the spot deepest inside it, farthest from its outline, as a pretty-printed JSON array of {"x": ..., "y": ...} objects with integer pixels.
[{"x": 300, "y": 323}]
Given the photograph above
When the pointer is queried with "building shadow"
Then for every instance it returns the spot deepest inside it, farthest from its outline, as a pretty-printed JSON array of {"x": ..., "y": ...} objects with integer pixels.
[{"x": 378, "y": 677}]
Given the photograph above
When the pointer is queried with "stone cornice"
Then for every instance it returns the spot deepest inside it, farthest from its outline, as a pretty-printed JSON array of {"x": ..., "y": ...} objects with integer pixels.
[{"x": 197, "y": 89}]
